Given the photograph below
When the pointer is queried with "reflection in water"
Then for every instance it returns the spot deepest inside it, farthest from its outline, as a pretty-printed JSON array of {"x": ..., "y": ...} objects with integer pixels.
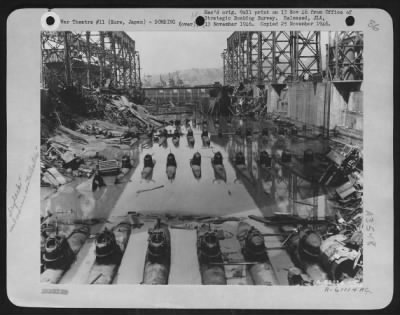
[
  {"x": 205, "y": 138},
  {"x": 171, "y": 166},
  {"x": 272, "y": 186},
  {"x": 252, "y": 181},
  {"x": 218, "y": 167},
  {"x": 77, "y": 201},
  {"x": 148, "y": 166},
  {"x": 97, "y": 181},
  {"x": 176, "y": 137},
  {"x": 242, "y": 171},
  {"x": 162, "y": 140},
  {"x": 190, "y": 137},
  {"x": 195, "y": 164}
]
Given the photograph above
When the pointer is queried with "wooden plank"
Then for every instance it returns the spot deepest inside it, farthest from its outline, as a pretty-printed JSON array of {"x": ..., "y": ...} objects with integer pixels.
[
  {"x": 184, "y": 261},
  {"x": 61, "y": 179},
  {"x": 132, "y": 264},
  {"x": 231, "y": 250},
  {"x": 47, "y": 177}
]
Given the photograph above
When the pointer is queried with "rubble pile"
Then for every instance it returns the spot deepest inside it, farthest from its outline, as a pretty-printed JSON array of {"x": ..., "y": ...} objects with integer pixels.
[
  {"x": 341, "y": 251},
  {"x": 70, "y": 153},
  {"x": 334, "y": 253},
  {"x": 344, "y": 251},
  {"x": 326, "y": 247},
  {"x": 70, "y": 109},
  {"x": 344, "y": 160},
  {"x": 74, "y": 142},
  {"x": 120, "y": 110}
]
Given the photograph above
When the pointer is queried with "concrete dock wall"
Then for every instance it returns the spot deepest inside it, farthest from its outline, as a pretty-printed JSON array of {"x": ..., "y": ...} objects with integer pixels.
[
  {"x": 308, "y": 103},
  {"x": 274, "y": 103},
  {"x": 346, "y": 108},
  {"x": 337, "y": 108},
  {"x": 354, "y": 117}
]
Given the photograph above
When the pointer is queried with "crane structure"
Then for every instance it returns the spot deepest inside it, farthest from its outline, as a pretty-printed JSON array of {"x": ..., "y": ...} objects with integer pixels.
[
  {"x": 89, "y": 58},
  {"x": 277, "y": 58},
  {"x": 272, "y": 57},
  {"x": 345, "y": 56},
  {"x": 283, "y": 57}
]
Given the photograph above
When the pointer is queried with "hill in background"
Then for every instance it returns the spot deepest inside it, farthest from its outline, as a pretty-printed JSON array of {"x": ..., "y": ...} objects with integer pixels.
[{"x": 190, "y": 77}]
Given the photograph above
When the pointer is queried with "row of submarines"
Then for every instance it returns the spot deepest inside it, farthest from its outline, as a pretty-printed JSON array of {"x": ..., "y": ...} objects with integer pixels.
[
  {"x": 59, "y": 252},
  {"x": 318, "y": 260}
]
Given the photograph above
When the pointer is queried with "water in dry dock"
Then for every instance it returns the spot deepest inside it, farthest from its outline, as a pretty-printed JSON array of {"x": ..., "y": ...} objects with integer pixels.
[
  {"x": 188, "y": 195},
  {"x": 259, "y": 190}
]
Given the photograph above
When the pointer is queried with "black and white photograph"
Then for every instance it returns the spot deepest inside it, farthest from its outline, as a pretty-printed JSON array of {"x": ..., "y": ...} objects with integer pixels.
[
  {"x": 213, "y": 158},
  {"x": 200, "y": 158}
]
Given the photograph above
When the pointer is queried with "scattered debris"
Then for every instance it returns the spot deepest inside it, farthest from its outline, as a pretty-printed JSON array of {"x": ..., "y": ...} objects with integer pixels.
[
  {"x": 150, "y": 189},
  {"x": 109, "y": 167},
  {"x": 99, "y": 147}
]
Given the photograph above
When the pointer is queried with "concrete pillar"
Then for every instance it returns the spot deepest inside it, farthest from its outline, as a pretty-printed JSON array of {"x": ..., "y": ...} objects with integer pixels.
[
  {"x": 101, "y": 57},
  {"x": 273, "y": 98},
  {"x": 89, "y": 57},
  {"x": 67, "y": 60}
]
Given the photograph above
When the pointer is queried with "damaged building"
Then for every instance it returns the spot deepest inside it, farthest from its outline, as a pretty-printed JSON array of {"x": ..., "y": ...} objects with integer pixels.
[{"x": 255, "y": 180}]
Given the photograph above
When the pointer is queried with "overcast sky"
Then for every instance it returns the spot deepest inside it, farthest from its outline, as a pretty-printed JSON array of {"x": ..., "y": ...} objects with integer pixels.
[{"x": 163, "y": 52}]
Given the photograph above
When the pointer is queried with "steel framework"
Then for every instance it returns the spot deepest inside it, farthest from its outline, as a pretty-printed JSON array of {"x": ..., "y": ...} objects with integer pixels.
[
  {"x": 271, "y": 57},
  {"x": 345, "y": 56},
  {"x": 86, "y": 58}
]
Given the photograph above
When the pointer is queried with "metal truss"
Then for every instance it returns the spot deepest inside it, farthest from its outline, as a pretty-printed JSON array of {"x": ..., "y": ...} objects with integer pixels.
[
  {"x": 345, "y": 56},
  {"x": 271, "y": 57},
  {"x": 307, "y": 54},
  {"x": 86, "y": 58}
]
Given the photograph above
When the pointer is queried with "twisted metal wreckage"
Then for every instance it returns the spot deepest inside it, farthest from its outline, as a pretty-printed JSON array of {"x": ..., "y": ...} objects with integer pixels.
[
  {"x": 108, "y": 63},
  {"x": 90, "y": 58},
  {"x": 253, "y": 60}
]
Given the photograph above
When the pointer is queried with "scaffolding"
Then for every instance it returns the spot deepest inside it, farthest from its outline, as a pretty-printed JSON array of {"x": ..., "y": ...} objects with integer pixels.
[
  {"x": 345, "y": 56},
  {"x": 272, "y": 57},
  {"x": 89, "y": 58}
]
